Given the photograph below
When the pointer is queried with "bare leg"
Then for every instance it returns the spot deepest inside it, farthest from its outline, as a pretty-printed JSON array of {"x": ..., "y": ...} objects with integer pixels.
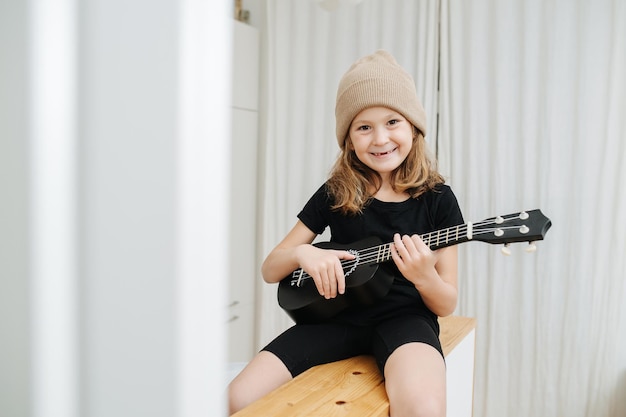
[
  {"x": 415, "y": 380},
  {"x": 262, "y": 375}
]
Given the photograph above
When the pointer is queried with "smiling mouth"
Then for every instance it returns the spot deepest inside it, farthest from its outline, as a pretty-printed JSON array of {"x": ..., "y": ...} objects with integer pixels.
[{"x": 383, "y": 153}]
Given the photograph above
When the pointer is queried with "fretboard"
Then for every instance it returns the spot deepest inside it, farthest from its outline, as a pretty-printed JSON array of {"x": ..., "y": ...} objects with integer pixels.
[
  {"x": 434, "y": 240},
  {"x": 382, "y": 253}
]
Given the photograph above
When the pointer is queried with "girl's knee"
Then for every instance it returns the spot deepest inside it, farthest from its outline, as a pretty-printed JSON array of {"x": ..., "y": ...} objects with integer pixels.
[
  {"x": 416, "y": 381},
  {"x": 238, "y": 397},
  {"x": 261, "y": 376},
  {"x": 419, "y": 407}
]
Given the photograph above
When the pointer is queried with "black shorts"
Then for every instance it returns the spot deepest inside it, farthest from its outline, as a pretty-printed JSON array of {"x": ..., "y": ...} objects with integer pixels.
[{"x": 306, "y": 345}]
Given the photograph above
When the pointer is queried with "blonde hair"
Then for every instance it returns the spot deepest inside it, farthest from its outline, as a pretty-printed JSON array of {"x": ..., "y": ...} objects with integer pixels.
[{"x": 352, "y": 184}]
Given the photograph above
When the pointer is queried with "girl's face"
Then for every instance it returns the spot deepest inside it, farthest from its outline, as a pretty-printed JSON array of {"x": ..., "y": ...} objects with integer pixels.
[{"x": 382, "y": 138}]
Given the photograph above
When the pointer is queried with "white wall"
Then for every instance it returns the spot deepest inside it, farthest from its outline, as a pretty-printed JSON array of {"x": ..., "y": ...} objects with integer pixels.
[
  {"x": 112, "y": 223},
  {"x": 15, "y": 340}
]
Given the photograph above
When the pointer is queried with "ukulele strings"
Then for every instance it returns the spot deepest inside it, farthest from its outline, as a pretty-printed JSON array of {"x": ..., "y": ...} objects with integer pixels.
[{"x": 382, "y": 252}]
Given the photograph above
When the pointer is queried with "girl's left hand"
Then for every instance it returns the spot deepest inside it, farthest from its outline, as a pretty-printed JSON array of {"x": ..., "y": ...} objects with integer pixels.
[{"x": 413, "y": 258}]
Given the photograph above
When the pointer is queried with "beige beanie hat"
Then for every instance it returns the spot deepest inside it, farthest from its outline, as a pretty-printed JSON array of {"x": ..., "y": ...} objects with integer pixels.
[{"x": 377, "y": 80}]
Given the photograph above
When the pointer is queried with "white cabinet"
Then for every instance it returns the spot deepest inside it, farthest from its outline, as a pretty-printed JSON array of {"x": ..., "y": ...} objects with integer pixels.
[
  {"x": 460, "y": 377},
  {"x": 244, "y": 271}
]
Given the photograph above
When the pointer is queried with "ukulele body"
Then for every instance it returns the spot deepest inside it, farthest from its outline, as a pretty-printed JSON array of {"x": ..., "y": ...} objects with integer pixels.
[{"x": 364, "y": 285}]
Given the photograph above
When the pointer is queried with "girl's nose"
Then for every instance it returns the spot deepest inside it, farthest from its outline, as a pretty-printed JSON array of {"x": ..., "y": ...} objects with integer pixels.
[{"x": 380, "y": 137}]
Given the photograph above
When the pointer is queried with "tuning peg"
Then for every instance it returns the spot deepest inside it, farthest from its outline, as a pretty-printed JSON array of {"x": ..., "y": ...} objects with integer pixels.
[
  {"x": 506, "y": 251},
  {"x": 531, "y": 247}
]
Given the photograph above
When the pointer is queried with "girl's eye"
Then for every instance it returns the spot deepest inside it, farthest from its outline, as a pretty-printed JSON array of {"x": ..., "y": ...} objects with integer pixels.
[
  {"x": 393, "y": 121},
  {"x": 364, "y": 127}
]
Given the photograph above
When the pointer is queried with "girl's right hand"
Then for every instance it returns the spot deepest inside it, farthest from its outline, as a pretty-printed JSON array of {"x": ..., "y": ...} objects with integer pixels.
[{"x": 324, "y": 266}]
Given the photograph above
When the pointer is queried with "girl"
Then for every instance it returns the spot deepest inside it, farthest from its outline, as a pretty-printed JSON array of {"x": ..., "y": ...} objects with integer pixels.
[{"x": 383, "y": 184}]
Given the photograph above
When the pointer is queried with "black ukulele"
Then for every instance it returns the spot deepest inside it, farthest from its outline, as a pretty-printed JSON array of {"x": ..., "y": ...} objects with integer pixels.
[{"x": 366, "y": 282}]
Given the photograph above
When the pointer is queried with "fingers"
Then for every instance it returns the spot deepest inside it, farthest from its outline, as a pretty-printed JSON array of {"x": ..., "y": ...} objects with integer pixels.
[
  {"x": 329, "y": 283},
  {"x": 329, "y": 277},
  {"x": 408, "y": 248},
  {"x": 340, "y": 279},
  {"x": 328, "y": 289},
  {"x": 339, "y": 270},
  {"x": 402, "y": 245}
]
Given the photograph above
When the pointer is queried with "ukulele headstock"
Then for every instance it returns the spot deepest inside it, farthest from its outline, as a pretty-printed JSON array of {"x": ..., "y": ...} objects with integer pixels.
[{"x": 525, "y": 226}]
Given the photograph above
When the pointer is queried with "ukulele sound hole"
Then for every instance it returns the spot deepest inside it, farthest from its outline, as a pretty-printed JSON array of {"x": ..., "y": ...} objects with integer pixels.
[{"x": 354, "y": 262}]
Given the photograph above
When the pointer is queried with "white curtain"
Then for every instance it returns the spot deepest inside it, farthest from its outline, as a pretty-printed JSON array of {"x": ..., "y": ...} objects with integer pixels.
[
  {"x": 531, "y": 108},
  {"x": 533, "y": 115}
]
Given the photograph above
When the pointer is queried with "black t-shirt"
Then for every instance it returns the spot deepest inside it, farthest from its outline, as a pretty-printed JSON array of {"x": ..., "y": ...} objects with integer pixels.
[{"x": 433, "y": 210}]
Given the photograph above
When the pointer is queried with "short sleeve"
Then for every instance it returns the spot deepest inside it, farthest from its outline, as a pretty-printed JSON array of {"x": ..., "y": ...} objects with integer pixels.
[
  {"x": 316, "y": 212},
  {"x": 445, "y": 209}
]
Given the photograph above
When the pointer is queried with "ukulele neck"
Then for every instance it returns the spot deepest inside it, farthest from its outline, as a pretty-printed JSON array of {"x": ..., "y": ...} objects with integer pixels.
[{"x": 434, "y": 240}]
